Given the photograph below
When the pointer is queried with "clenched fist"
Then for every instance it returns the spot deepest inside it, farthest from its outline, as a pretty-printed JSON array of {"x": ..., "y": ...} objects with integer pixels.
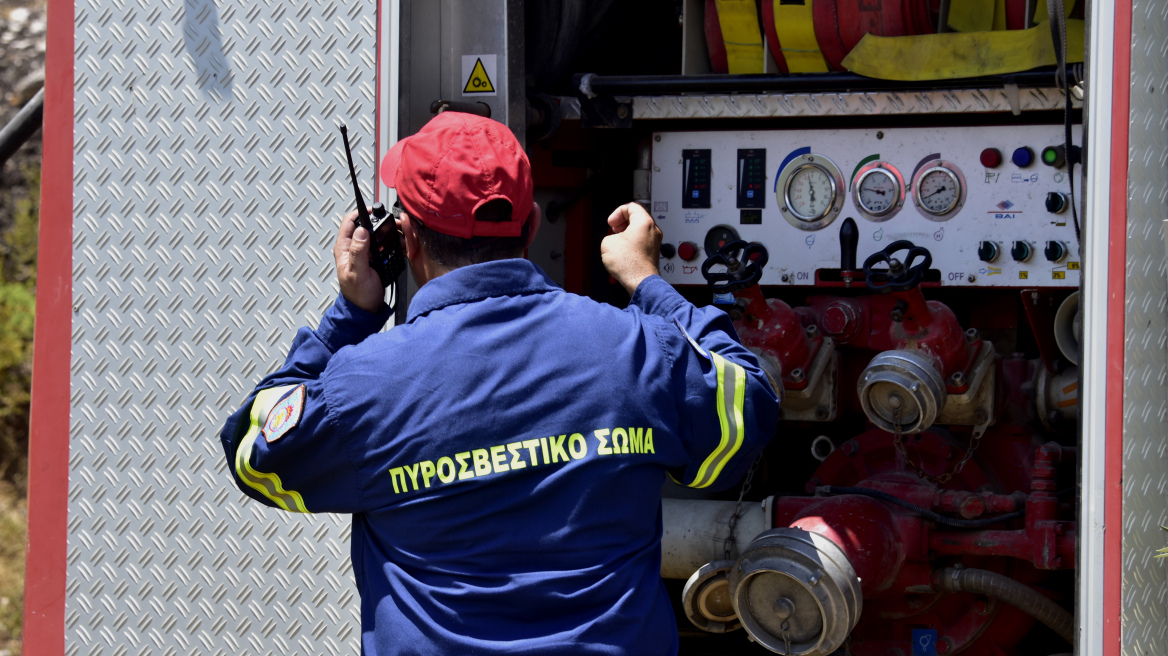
[{"x": 630, "y": 254}]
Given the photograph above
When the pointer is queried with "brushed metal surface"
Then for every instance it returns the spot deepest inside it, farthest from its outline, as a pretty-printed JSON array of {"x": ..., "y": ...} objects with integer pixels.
[
  {"x": 832, "y": 104},
  {"x": 1145, "y": 466},
  {"x": 209, "y": 177}
]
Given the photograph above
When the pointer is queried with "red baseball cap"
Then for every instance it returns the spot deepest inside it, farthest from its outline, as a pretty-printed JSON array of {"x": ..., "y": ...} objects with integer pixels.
[{"x": 453, "y": 165}]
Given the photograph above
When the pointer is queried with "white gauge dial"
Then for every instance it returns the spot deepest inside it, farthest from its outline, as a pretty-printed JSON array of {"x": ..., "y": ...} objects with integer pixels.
[
  {"x": 810, "y": 193},
  {"x": 879, "y": 192},
  {"x": 938, "y": 191}
]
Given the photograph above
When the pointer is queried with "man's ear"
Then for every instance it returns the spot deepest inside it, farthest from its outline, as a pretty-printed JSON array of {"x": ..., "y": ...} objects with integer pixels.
[
  {"x": 533, "y": 221},
  {"x": 410, "y": 237}
]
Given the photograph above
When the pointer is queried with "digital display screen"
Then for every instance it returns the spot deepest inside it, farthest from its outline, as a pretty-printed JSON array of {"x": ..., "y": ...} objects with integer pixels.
[
  {"x": 750, "y": 217},
  {"x": 695, "y": 181},
  {"x": 752, "y": 176}
]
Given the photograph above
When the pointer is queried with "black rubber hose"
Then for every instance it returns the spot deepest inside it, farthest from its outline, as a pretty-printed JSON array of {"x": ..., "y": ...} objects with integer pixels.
[
  {"x": 1018, "y": 595},
  {"x": 832, "y": 490},
  {"x": 22, "y": 126}
]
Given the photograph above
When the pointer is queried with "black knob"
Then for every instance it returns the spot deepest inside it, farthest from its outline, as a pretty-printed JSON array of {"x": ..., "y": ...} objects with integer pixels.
[
  {"x": 1056, "y": 202},
  {"x": 849, "y": 236},
  {"x": 668, "y": 251},
  {"x": 1021, "y": 251},
  {"x": 378, "y": 211},
  {"x": 987, "y": 251},
  {"x": 1055, "y": 251}
]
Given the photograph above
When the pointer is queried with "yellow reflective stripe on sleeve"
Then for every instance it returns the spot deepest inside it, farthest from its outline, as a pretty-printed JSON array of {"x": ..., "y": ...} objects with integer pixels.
[
  {"x": 266, "y": 484},
  {"x": 731, "y": 398}
]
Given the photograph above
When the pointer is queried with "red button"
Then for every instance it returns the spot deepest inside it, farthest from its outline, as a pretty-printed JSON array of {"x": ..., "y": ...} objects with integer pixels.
[
  {"x": 991, "y": 158},
  {"x": 687, "y": 250}
]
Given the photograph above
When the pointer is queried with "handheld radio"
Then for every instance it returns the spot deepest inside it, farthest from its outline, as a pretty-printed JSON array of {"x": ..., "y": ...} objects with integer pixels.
[{"x": 385, "y": 253}]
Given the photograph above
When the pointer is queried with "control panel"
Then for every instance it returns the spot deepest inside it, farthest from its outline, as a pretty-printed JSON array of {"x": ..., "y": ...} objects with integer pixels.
[{"x": 991, "y": 204}]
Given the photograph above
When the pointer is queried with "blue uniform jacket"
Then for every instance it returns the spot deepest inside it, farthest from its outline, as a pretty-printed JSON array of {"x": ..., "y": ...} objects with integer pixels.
[{"x": 503, "y": 453}]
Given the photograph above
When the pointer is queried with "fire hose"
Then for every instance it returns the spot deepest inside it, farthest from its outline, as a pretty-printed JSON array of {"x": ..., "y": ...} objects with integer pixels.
[{"x": 1007, "y": 590}]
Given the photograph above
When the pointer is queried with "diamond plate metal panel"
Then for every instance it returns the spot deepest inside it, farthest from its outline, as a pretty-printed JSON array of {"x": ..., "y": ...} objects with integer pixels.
[
  {"x": 967, "y": 101},
  {"x": 1145, "y": 466},
  {"x": 208, "y": 181}
]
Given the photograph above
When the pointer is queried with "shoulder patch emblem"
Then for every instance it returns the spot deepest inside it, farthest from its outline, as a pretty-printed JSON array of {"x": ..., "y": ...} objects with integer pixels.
[{"x": 285, "y": 415}]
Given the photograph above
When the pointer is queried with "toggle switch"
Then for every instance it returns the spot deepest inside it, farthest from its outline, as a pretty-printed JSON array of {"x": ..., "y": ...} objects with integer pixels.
[
  {"x": 987, "y": 251},
  {"x": 1021, "y": 251},
  {"x": 1056, "y": 202}
]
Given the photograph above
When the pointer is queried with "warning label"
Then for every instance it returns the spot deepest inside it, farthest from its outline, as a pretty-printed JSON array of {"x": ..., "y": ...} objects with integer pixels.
[{"x": 479, "y": 72}]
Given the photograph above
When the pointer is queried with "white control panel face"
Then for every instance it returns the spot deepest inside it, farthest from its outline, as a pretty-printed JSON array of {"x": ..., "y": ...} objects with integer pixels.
[{"x": 991, "y": 204}]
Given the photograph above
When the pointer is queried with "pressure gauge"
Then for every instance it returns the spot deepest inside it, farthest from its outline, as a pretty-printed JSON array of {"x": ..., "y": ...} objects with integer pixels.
[
  {"x": 939, "y": 190},
  {"x": 810, "y": 191},
  {"x": 878, "y": 191},
  {"x": 717, "y": 237}
]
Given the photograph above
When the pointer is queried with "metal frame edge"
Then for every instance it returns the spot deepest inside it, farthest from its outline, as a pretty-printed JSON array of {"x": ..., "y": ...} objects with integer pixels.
[
  {"x": 48, "y": 461},
  {"x": 1105, "y": 219}
]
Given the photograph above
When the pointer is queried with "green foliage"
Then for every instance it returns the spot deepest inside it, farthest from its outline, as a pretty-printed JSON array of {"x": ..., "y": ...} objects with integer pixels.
[
  {"x": 18, "y": 252},
  {"x": 19, "y": 219},
  {"x": 1163, "y": 552}
]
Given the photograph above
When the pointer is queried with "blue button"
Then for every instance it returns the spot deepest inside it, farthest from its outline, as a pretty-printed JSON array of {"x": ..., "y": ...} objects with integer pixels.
[{"x": 1023, "y": 157}]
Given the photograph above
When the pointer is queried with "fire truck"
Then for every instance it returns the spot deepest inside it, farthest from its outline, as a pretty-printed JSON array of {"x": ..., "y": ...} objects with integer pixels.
[{"x": 938, "y": 223}]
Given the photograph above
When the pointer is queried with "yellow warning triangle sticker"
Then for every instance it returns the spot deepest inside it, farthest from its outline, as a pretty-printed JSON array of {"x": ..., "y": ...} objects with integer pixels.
[{"x": 478, "y": 82}]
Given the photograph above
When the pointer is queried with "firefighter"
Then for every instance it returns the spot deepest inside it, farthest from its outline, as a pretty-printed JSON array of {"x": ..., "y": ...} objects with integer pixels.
[{"x": 503, "y": 451}]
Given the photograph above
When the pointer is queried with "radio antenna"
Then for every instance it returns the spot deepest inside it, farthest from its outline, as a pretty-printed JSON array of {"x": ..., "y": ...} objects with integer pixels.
[{"x": 362, "y": 212}]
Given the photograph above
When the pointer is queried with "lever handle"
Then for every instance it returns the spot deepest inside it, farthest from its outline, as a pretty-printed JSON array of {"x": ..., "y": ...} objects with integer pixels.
[{"x": 849, "y": 236}]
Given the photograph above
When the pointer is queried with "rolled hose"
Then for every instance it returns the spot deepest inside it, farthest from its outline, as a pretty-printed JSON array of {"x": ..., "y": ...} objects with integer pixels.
[
  {"x": 1007, "y": 590},
  {"x": 831, "y": 490}
]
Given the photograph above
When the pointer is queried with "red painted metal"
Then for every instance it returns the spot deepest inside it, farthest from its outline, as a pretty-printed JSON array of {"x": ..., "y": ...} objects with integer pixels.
[
  {"x": 771, "y": 326},
  {"x": 48, "y": 449},
  {"x": 1116, "y": 290},
  {"x": 1041, "y": 305},
  {"x": 866, "y": 531},
  {"x": 897, "y": 553},
  {"x": 931, "y": 328},
  {"x": 928, "y": 326}
]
